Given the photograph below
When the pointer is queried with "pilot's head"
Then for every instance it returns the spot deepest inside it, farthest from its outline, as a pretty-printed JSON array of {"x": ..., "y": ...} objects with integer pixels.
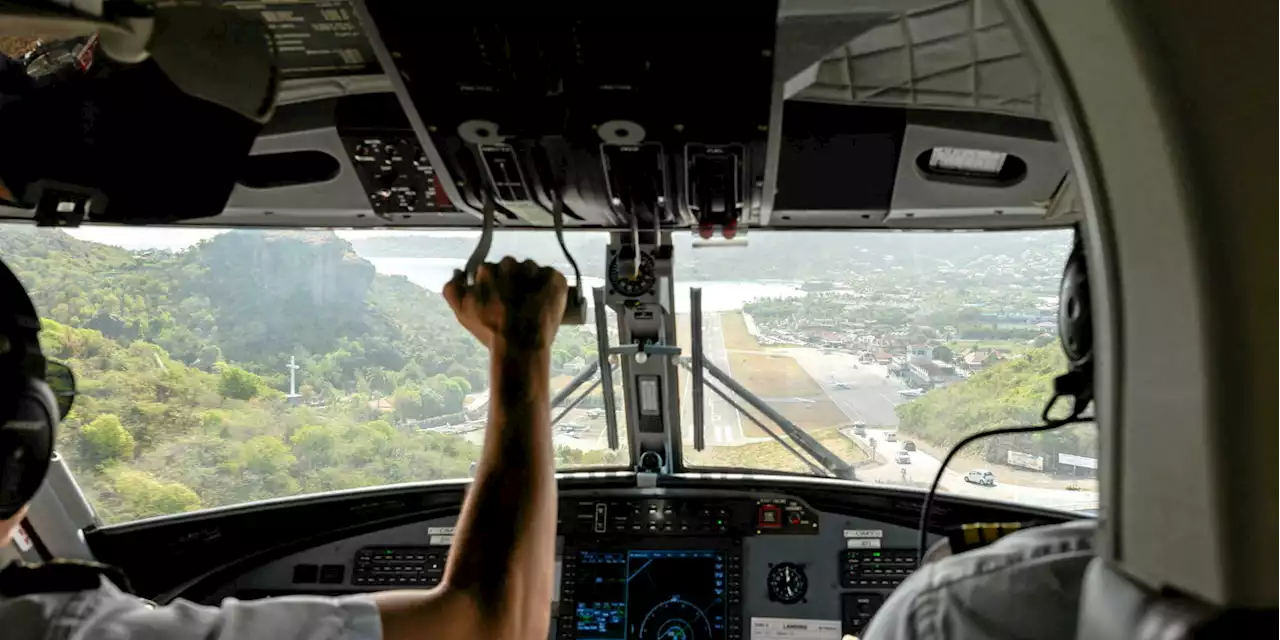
[{"x": 29, "y": 409}]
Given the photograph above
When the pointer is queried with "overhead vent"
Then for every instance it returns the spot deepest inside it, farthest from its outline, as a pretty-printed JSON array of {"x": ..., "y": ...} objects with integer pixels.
[
  {"x": 288, "y": 169},
  {"x": 973, "y": 167}
]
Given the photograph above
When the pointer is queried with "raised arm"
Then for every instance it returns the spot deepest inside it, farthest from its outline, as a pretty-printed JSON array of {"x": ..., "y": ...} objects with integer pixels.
[{"x": 498, "y": 581}]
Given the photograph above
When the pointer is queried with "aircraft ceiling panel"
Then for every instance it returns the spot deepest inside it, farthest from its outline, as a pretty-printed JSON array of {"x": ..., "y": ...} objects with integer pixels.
[
  {"x": 915, "y": 194},
  {"x": 950, "y": 55}
]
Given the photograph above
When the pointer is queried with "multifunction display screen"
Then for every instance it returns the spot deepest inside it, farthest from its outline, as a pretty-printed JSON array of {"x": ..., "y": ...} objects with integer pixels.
[{"x": 651, "y": 595}]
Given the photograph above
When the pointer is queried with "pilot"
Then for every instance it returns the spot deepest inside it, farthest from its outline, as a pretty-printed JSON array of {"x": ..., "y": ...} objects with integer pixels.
[
  {"x": 1024, "y": 585},
  {"x": 498, "y": 579}
]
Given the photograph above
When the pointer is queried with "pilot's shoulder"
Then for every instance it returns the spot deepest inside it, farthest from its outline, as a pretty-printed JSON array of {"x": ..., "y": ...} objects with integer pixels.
[
  {"x": 951, "y": 597},
  {"x": 34, "y": 599},
  {"x": 57, "y": 576}
]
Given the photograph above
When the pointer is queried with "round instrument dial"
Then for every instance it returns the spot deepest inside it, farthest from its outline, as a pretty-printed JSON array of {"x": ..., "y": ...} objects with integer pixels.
[
  {"x": 787, "y": 583},
  {"x": 628, "y": 283}
]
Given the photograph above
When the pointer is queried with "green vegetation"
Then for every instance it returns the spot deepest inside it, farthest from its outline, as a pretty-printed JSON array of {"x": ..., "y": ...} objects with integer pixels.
[
  {"x": 768, "y": 454},
  {"x": 181, "y": 357},
  {"x": 1013, "y": 392}
]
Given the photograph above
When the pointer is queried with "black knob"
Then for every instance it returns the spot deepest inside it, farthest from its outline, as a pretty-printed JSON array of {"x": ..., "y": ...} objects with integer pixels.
[{"x": 650, "y": 461}]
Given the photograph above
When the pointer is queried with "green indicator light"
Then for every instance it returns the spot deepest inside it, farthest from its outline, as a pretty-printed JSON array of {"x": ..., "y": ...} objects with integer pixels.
[{"x": 876, "y": 554}]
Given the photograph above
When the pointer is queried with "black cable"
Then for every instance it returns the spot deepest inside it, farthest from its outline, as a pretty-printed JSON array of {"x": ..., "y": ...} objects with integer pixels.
[
  {"x": 1048, "y": 425},
  {"x": 557, "y": 221}
]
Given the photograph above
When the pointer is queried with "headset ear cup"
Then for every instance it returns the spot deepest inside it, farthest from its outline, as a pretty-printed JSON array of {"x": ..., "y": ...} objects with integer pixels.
[
  {"x": 26, "y": 445},
  {"x": 1075, "y": 312}
]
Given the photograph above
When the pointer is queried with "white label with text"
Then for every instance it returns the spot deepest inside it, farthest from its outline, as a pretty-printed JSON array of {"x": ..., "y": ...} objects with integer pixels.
[
  {"x": 864, "y": 533},
  {"x": 794, "y": 629}
]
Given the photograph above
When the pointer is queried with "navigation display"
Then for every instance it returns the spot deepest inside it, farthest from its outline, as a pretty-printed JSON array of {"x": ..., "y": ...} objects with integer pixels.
[{"x": 651, "y": 595}]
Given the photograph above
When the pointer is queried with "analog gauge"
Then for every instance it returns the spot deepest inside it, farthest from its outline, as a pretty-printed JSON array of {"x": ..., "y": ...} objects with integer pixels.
[
  {"x": 626, "y": 282},
  {"x": 787, "y": 583}
]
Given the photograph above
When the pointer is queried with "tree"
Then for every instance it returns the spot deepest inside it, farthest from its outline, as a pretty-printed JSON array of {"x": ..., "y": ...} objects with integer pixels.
[
  {"x": 265, "y": 456},
  {"x": 105, "y": 439},
  {"x": 237, "y": 383},
  {"x": 457, "y": 370},
  {"x": 943, "y": 353},
  {"x": 432, "y": 403},
  {"x": 140, "y": 495},
  {"x": 316, "y": 446},
  {"x": 462, "y": 384},
  {"x": 407, "y": 404}
]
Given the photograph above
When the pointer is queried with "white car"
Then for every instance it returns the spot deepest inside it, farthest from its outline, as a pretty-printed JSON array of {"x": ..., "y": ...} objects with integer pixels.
[
  {"x": 902, "y": 457},
  {"x": 911, "y": 393},
  {"x": 981, "y": 476}
]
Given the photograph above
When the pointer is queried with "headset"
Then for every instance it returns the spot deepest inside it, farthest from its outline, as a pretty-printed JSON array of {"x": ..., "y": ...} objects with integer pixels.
[
  {"x": 29, "y": 409},
  {"x": 1075, "y": 328}
]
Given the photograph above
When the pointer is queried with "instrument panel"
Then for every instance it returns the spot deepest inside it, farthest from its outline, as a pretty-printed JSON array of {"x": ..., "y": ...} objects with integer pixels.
[{"x": 692, "y": 567}]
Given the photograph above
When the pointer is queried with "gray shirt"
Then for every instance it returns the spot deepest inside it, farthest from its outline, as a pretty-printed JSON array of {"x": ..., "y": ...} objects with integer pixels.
[
  {"x": 1025, "y": 585},
  {"x": 107, "y": 613}
]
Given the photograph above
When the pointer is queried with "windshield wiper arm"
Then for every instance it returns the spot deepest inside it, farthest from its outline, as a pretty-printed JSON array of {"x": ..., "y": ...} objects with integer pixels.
[
  {"x": 567, "y": 390},
  {"x": 830, "y": 461},
  {"x": 817, "y": 470}
]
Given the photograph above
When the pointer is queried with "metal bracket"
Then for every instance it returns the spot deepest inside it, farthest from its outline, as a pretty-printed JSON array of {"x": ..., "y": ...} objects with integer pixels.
[
  {"x": 606, "y": 370},
  {"x": 647, "y": 349}
]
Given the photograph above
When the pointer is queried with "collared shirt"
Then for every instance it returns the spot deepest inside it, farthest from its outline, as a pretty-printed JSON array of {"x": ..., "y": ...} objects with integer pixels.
[
  {"x": 1025, "y": 585},
  {"x": 107, "y": 613}
]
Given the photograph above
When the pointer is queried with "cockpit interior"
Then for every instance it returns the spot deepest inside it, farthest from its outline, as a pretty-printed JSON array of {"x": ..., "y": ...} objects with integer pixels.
[{"x": 811, "y": 246}]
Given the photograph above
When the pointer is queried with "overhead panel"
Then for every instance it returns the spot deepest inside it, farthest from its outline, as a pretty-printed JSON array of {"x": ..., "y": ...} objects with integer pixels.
[
  {"x": 315, "y": 38},
  {"x": 1039, "y": 166}
]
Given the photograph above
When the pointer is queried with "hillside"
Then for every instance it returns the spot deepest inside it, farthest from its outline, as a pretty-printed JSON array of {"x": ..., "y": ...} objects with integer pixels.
[
  {"x": 255, "y": 299},
  {"x": 149, "y": 435},
  {"x": 180, "y": 361},
  {"x": 1010, "y": 393}
]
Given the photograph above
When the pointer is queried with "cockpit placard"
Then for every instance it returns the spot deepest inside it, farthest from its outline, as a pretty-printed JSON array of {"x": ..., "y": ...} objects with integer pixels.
[{"x": 318, "y": 38}]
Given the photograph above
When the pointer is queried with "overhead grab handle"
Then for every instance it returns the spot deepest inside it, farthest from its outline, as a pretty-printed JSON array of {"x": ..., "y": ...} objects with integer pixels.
[{"x": 575, "y": 304}]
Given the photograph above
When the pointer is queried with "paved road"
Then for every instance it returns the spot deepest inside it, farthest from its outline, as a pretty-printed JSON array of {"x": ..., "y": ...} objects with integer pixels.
[
  {"x": 923, "y": 467},
  {"x": 723, "y": 424},
  {"x": 871, "y": 394}
]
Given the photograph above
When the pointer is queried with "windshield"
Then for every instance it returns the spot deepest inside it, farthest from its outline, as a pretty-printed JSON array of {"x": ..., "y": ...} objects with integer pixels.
[
  {"x": 218, "y": 367},
  {"x": 888, "y": 348}
]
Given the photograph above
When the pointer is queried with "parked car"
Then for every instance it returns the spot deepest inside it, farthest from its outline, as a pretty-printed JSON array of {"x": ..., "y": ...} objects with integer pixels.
[
  {"x": 891, "y": 437},
  {"x": 981, "y": 476},
  {"x": 902, "y": 457},
  {"x": 909, "y": 446}
]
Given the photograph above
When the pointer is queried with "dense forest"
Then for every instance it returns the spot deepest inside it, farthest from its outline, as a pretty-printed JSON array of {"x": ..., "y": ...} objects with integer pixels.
[
  {"x": 1013, "y": 392},
  {"x": 181, "y": 361}
]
